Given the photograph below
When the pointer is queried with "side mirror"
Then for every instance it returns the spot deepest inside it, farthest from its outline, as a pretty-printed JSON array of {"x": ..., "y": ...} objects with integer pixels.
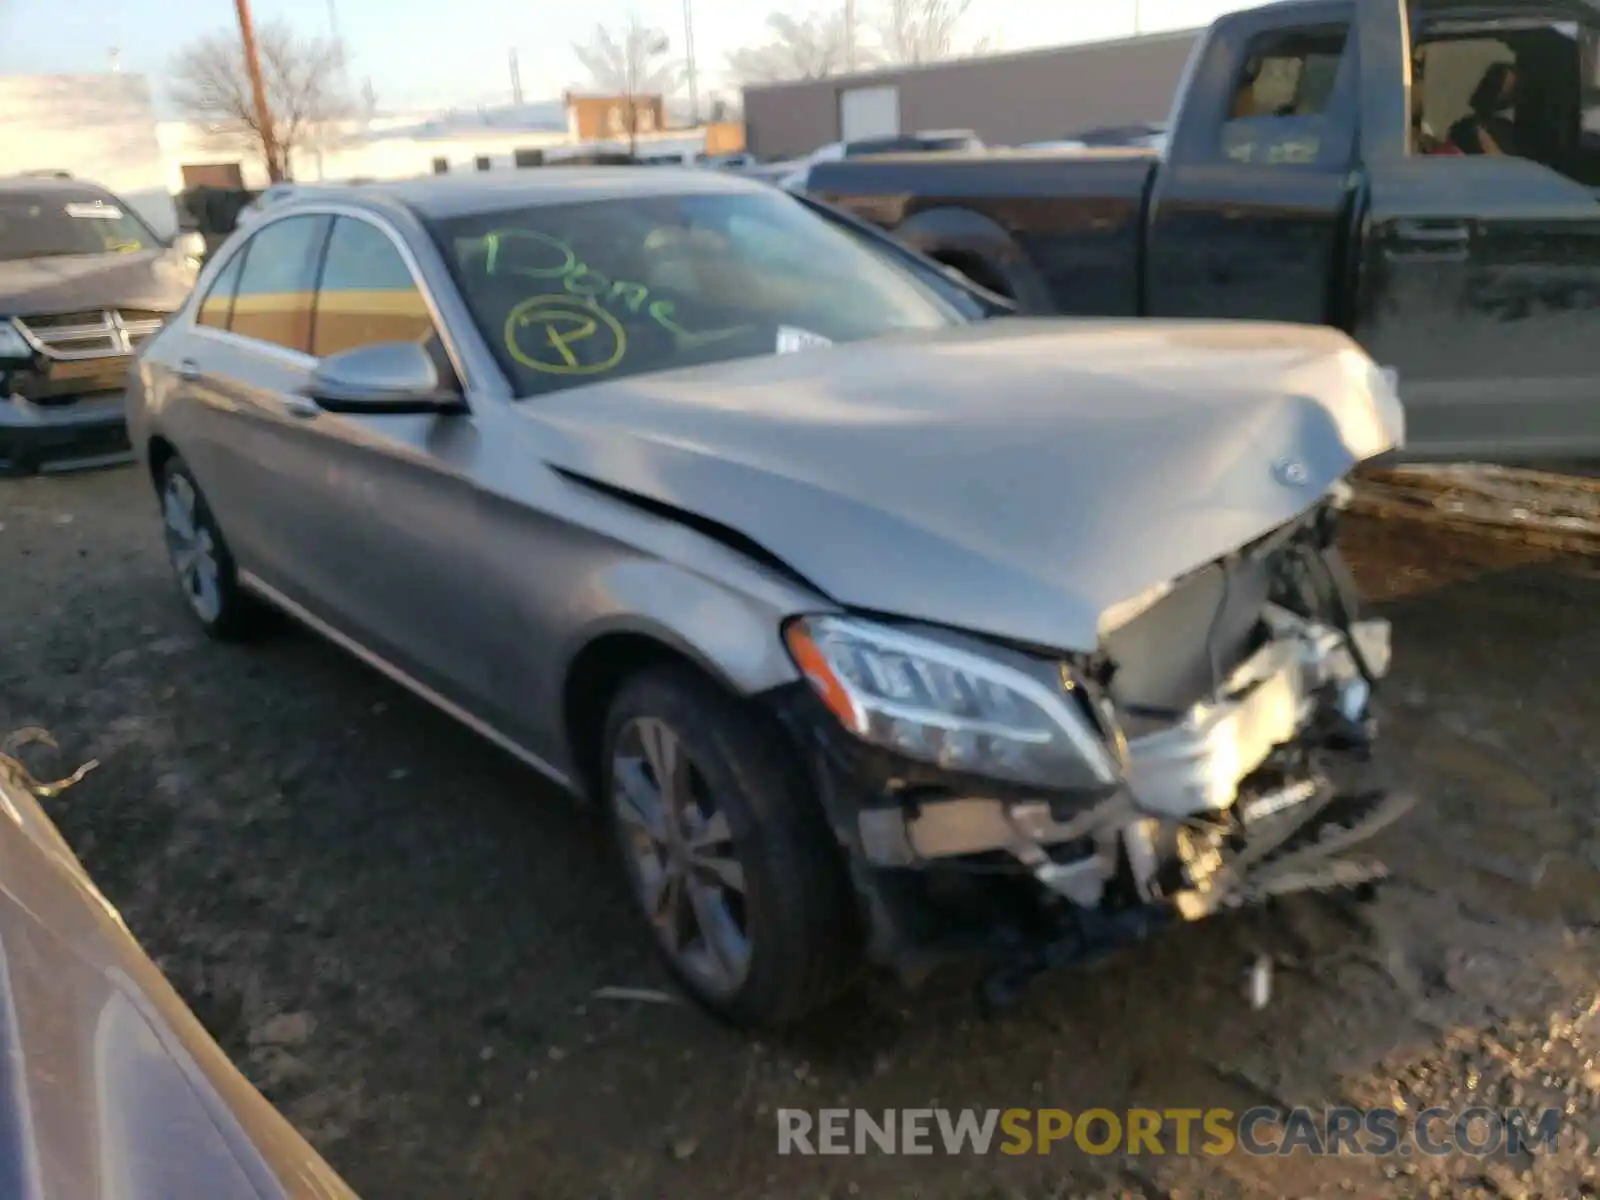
[
  {"x": 387, "y": 377},
  {"x": 191, "y": 244}
]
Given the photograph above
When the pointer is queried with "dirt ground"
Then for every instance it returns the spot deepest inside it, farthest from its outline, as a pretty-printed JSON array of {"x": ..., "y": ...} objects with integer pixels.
[{"x": 397, "y": 930}]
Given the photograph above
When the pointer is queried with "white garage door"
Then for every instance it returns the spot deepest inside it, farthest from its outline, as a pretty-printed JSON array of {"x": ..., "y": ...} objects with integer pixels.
[{"x": 869, "y": 112}]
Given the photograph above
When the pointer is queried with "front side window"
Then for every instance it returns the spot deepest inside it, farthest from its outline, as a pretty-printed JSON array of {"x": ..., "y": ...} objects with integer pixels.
[
  {"x": 273, "y": 299},
  {"x": 367, "y": 294},
  {"x": 66, "y": 223},
  {"x": 1280, "y": 104},
  {"x": 571, "y": 293}
]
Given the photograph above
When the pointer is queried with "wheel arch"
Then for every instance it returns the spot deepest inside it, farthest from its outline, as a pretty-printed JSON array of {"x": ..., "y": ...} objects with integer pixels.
[
  {"x": 979, "y": 247},
  {"x": 159, "y": 451},
  {"x": 612, "y": 653}
]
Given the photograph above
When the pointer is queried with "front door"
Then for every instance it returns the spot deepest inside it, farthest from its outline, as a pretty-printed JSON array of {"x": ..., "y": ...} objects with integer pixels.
[
  {"x": 1250, "y": 210},
  {"x": 406, "y": 571},
  {"x": 1480, "y": 271}
]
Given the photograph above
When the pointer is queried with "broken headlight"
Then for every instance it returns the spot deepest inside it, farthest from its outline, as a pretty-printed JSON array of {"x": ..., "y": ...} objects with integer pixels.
[{"x": 956, "y": 709}]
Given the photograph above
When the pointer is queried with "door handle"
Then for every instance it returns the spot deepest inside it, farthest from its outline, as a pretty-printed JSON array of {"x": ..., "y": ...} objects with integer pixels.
[
  {"x": 189, "y": 370},
  {"x": 1439, "y": 233},
  {"x": 300, "y": 406}
]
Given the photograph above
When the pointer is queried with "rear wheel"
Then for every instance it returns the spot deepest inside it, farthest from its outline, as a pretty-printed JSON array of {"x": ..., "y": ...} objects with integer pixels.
[
  {"x": 731, "y": 861},
  {"x": 200, "y": 558}
]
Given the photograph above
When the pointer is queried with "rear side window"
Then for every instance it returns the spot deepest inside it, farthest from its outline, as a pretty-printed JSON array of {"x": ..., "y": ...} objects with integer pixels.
[
  {"x": 273, "y": 300},
  {"x": 217, "y": 308},
  {"x": 367, "y": 294},
  {"x": 1281, "y": 107}
]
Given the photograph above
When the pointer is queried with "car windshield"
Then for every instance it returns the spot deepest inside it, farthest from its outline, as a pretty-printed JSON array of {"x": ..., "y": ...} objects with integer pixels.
[
  {"x": 572, "y": 293},
  {"x": 48, "y": 224}
]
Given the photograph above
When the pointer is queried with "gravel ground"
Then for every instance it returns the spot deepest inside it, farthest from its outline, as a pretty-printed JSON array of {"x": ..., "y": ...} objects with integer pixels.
[{"x": 397, "y": 931}]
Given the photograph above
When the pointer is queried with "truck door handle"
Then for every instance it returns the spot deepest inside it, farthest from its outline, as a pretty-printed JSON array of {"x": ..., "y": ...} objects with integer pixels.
[
  {"x": 1430, "y": 242},
  {"x": 189, "y": 370},
  {"x": 1442, "y": 233}
]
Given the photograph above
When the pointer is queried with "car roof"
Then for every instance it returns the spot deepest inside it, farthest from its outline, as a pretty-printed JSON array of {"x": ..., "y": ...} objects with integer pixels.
[
  {"x": 34, "y": 184},
  {"x": 443, "y": 196}
]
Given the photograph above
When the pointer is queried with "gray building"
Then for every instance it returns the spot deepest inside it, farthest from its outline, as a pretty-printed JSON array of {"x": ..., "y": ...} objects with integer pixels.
[{"x": 1029, "y": 96}]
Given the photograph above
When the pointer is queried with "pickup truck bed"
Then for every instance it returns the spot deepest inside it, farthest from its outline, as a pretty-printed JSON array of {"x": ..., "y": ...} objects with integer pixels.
[{"x": 1056, "y": 231}]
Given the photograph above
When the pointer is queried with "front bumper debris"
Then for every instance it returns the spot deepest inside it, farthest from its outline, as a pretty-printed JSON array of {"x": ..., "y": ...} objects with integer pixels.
[
  {"x": 86, "y": 432},
  {"x": 1261, "y": 790},
  {"x": 1195, "y": 765}
]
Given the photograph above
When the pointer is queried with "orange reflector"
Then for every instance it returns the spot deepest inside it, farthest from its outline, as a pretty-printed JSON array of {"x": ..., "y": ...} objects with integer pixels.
[{"x": 814, "y": 664}]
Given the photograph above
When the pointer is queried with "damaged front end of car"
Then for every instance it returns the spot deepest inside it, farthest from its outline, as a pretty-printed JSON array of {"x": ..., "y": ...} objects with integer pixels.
[{"x": 1214, "y": 751}]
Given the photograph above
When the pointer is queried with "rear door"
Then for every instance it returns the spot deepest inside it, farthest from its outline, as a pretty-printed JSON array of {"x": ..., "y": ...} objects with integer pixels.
[
  {"x": 1480, "y": 274},
  {"x": 243, "y": 365},
  {"x": 1250, "y": 211}
]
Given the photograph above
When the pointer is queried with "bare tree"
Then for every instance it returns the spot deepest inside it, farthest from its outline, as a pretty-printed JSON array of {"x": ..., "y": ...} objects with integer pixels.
[
  {"x": 920, "y": 31},
  {"x": 631, "y": 61},
  {"x": 812, "y": 46},
  {"x": 306, "y": 84}
]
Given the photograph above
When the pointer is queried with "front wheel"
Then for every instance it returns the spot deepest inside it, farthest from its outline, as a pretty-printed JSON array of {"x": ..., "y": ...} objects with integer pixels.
[{"x": 729, "y": 855}]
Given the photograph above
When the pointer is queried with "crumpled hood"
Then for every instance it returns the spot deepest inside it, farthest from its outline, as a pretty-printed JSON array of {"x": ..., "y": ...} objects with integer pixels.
[
  {"x": 150, "y": 279},
  {"x": 1017, "y": 478}
]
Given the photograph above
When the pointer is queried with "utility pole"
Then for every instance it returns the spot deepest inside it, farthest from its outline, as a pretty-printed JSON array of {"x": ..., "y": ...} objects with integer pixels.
[
  {"x": 1137, "y": 24},
  {"x": 252, "y": 66},
  {"x": 688, "y": 62},
  {"x": 849, "y": 35},
  {"x": 516, "y": 80}
]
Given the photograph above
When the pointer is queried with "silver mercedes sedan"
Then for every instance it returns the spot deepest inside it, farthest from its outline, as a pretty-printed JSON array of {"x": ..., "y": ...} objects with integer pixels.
[{"x": 887, "y": 624}]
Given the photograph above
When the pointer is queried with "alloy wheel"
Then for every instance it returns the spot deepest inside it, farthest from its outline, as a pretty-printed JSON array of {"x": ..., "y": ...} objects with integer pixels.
[
  {"x": 681, "y": 855},
  {"x": 192, "y": 547}
]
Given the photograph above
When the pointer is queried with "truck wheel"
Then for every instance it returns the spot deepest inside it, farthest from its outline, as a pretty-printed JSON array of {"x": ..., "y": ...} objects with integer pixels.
[
  {"x": 201, "y": 560},
  {"x": 729, "y": 854}
]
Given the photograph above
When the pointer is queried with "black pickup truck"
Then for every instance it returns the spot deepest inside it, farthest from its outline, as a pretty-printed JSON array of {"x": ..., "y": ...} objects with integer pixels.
[{"x": 1420, "y": 173}]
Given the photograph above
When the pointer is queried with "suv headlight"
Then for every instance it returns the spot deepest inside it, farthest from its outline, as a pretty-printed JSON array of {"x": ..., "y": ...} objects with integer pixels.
[
  {"x": 958, "y": 710},
  {"x": 13, "y": 346}
]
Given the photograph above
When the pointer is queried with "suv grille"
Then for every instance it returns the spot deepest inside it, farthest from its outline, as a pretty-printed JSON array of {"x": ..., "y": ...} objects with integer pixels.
[{"x": 107, "y": 333}]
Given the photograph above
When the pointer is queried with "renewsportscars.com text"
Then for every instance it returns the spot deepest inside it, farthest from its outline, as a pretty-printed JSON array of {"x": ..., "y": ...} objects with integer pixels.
[{"x": 1214, "y": 1131}]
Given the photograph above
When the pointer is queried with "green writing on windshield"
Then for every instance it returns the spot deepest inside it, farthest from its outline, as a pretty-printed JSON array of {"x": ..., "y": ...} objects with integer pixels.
[{"x": 541, "y": 256}]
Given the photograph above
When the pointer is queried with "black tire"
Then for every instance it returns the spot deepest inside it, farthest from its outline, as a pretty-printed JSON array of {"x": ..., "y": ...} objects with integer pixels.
[
  {"x": 232, "y": 614},
  {"x": 798, "y": 910}
]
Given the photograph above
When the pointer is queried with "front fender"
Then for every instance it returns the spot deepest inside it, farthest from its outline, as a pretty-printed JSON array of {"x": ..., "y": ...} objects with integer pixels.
[
  {"x": 642, "y": 607},
  {"x": 732, "y": 637}
]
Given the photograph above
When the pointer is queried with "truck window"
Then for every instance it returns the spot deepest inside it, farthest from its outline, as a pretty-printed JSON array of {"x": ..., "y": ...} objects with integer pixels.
[
  {"x": 1280, "y": 104},
  {"x": 1523, "y": 89}
]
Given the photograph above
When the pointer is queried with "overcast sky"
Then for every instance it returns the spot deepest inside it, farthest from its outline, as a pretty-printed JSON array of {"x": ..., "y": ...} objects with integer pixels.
[{"x": 420, "y": 53}]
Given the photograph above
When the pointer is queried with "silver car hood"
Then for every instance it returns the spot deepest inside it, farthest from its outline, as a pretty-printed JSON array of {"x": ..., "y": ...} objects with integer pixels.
[
  {"x": 149, "y": 279},
  {"x": 1022, "y": 477}
]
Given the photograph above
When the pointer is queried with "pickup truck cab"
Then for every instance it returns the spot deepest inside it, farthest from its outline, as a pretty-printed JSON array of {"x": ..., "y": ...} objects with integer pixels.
[{"x": 1420, "y": 173}]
